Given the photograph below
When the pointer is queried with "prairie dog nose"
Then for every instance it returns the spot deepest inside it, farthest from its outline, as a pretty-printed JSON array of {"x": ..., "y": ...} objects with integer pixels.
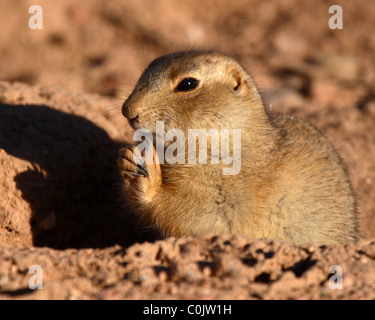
[
  {"x": 127, "y": 111},
  {"x": 131, "y": 113}
]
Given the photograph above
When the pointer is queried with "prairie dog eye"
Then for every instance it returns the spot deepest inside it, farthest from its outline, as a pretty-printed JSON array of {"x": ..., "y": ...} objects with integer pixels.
[{"x": 187, "y": 84}]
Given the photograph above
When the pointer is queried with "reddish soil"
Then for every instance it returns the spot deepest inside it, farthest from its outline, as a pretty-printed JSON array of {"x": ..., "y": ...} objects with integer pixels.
[{"x": 61, "y": 92}]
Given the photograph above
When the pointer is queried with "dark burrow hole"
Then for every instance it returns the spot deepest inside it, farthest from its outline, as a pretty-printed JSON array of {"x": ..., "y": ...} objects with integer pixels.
[
  {"x": 160, "y": 269},
  {"x": 205, "y": 264},
  {"x": 301, "y": 267},
  {"x": 267, "y": 255},
  {"x": 264, "y": 277},
  {"x": 249, "y": 261}
]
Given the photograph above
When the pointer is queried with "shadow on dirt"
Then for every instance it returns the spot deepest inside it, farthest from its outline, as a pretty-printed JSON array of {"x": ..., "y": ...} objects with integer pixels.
[{"x": 74, "y": 188}]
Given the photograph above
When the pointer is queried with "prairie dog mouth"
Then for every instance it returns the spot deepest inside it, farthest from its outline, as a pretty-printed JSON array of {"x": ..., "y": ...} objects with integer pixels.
[{"x": 134, "y": 123}]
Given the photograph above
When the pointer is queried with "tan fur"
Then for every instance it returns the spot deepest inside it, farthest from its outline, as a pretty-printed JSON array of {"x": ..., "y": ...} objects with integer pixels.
[{"x": 292, "y": 185}]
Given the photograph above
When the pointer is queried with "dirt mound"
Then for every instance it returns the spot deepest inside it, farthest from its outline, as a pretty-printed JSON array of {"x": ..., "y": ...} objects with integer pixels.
[
  {"x": 192, "y": 268},
  {"x": 62, "y": 190},
  {"x": 60, "y": 181}
]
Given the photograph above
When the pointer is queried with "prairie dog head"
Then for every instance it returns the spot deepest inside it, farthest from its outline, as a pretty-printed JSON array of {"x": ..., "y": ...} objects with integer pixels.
[{"x": 193, "y": 89}]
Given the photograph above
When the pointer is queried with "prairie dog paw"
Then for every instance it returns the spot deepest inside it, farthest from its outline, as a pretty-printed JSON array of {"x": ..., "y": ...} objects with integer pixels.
[{"x": 131, "y": 164}]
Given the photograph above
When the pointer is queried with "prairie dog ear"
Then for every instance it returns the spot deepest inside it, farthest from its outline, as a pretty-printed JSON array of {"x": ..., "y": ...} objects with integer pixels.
[{"x": 236, "y": 79}]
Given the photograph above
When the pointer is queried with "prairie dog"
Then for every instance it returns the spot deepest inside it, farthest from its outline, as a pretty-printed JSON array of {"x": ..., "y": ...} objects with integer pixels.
[{"x": 291, "y": 186}]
